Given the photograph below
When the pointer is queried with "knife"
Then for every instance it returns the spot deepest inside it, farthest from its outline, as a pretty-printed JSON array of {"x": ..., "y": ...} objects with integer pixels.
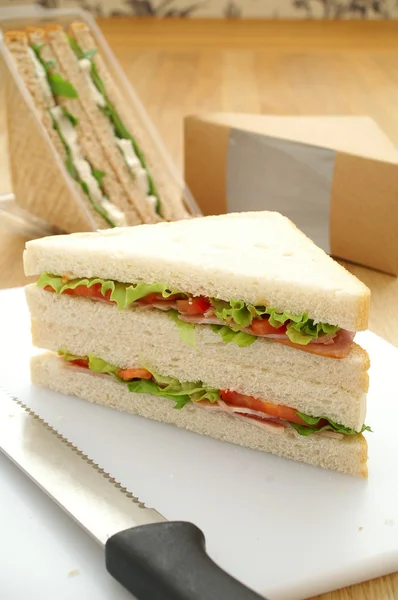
[{"x": 151, "y": 557}]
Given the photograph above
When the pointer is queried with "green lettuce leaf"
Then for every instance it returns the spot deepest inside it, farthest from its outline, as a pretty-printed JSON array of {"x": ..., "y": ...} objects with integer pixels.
[
  {"x": 74, "y": 120},
  {"x": 95, "y": 364},
  {"x": 80, "y": 53},
  {"x": 60, "y": 87},
  {"x": 181, "y": 392},
  {"x": 123, "y": 294},
  {"x": 300, "y": 329},
  {"x": 61, "y": 137},
  {"x": 70, "y": 167},
  {"x": 68, "y": 356},
  {"x": 181, "y": 402},
  {"x": 167, "y": 387},
  {"x": 101, "y": 366},
  {"x": 90, "y": 53},
  {"x": 99, "y": 84},
  {"x": 145, "y": 386},
  {"x": 98, "y": 175},
  {"x": 48, "y": 64},
  {"x": 331, "y": 426},
  {"x": 303, "y": 332},
  {"x": 185, "y": 330},
  {"x": 239, "y": 338},
  {"x": 75, "y": 47},
  {"x": 36, "y": 47},
  {"x": 234, "y": 312},
  {"x": 96, "y": 206}
]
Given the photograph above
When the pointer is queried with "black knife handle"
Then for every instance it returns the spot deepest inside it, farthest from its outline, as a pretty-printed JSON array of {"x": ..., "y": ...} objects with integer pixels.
[{"x": 168, "y": 561}]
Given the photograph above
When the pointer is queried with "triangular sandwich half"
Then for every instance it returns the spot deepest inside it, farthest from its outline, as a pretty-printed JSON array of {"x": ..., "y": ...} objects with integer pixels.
[{"x": 239, "y": 321}]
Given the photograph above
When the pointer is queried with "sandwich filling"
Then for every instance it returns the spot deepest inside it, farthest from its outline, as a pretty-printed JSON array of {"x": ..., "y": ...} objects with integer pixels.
[
  {"x": 274, "y": 417},
  {"x": 64, "y": 123},
  {"x": 132, "y": 154},
  {"x": 41, "y": 75},
  {"x": 235, "y": 321},
  {"x": 81, "y": 170}
]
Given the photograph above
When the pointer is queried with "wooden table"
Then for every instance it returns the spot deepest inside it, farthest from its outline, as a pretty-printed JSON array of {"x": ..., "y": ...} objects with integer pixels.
[{"x": 180, "y": 67}]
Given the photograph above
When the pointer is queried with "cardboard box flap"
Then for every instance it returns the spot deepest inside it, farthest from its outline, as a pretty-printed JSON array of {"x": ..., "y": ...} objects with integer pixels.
[{"x": 353, "y": 135}]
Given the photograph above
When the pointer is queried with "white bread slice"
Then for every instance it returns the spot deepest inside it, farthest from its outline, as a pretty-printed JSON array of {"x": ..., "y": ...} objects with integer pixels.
[
  {"x": 100, "y": 125},
  {"x": 267, "y": 370},
  {"x": 171, "y": 205},
  {"x": 347, "y": 455},
  {"x": 258, "y": 257},
  {"x": 17, "y": 44}
]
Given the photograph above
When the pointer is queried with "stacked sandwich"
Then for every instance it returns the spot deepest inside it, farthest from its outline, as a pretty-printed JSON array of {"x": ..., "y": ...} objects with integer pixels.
[
  {"x": 235, "y": 326},
  {"x": 103, "y": 146}
]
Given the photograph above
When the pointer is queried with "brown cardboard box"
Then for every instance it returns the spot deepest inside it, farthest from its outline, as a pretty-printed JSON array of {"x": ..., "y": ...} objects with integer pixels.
[{"x": 335, "y": 177}]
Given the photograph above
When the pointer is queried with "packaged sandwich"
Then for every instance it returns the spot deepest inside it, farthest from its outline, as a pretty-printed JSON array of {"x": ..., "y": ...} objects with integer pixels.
[
  {"x": 83, "y": 153},
  {"x": 234, "y": 326}
]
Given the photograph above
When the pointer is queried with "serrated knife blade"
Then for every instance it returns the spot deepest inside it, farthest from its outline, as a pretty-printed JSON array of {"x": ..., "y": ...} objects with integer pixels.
[{"x": 153, "y": 558}]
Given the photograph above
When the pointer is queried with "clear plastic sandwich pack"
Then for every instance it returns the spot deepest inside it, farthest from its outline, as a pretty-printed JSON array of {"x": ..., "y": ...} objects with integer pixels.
[{"x": 35, "y": 188}]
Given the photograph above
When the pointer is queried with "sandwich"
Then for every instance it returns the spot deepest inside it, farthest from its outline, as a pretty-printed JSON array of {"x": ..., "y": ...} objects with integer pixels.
[
  {"x": 102, "y": 144},
  {"x": 234, "y": 326}
]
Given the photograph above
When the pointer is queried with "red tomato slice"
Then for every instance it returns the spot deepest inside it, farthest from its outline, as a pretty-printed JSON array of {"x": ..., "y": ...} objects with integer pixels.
[
  {"x": 82, "y": 290},
  {"x": 80, "y": 362},
  {"x": 95, "y": 292},
  {"x": 275, "y": 410},
  {"x": 263, "y": 327},
  {"x": 127, "y": 374},
  {"x": 194, "y": 306},
  {"x": 89, "y": 292}
]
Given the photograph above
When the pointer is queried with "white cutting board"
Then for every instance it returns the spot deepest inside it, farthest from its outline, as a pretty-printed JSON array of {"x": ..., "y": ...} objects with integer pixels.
[
  {"x": 44, "y": 555},
  {"x": 288, "y": 530}
]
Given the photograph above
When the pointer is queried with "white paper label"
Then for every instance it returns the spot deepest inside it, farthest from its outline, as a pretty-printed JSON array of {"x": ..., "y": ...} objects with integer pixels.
[{"x": 267, "y": 173}]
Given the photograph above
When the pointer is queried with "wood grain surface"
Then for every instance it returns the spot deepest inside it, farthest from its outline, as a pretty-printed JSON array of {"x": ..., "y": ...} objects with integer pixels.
[{"x": 182, "y": 67}]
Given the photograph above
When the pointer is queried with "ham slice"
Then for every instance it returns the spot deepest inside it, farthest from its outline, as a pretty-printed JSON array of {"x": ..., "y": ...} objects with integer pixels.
[
  {"x": 270, "y": 425},
  {"x": 339, "y": 349},
  {"x": 201, "y": 320},
  {"x": 159, "y": 305},
  {"x": 263, "y": 420},
  {"x": 336, "y": 346},
  {"x": 244, "y": 414}
]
